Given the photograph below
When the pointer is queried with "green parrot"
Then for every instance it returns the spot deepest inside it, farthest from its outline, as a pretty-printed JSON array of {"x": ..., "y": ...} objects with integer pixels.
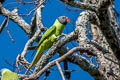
[
  {"x": 49, "y": 37},
  {"x": 8, "y": 75}
]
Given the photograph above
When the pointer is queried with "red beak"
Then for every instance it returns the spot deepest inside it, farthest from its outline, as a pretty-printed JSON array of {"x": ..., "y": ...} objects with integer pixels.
[{"x": 67, "y": 19}]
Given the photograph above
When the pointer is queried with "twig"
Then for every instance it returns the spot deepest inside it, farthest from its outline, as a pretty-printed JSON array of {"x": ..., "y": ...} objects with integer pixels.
[
  {"x": 11, "y": 3},
  {"x": 67, "y": 73},
  {"x": 71, "y": 9},
  {"x": 29, "y": 42},
  {"x": 81, "y": 5},
  {"x": 14, "y": 66},
  {"x": 33, "y": 23},
  {"x": 28, "y": 13},
  {"x": 46, "y": 74},
  {"x": 32, "y": 10},
  {"x": 9, "y": 31},
  {"x": 26, "y": 47},
  {"x": 66, "y": 70},
  {"x": 22, "y": 61},
  {"x": 60, "y": 70},
  {"x": 20, "y": 58},
  {"x": 61, "y": 52},
  {"x": 3, "y": 24},
  {"x": 10, "y": 63}
]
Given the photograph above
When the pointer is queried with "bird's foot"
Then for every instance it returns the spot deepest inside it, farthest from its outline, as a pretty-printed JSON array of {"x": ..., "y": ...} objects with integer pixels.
[{"x": 61, "y": 35}]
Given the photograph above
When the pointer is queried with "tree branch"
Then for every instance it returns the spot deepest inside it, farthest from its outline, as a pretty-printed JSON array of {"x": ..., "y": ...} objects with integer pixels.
[
  {"x": 81, "y": 5},
  {"x": 82, "y": 62},
  {"x": 60, "y": 69},
  {"x": 17, "y": 19},
  {"x": 3, "y": 24},
  {"x": 36, "y": 36},
  {"x": 50, "y": 64}
]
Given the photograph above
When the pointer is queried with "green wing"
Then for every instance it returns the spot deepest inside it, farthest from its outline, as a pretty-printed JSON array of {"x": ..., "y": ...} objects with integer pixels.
[{"x": 50, "y": 31}]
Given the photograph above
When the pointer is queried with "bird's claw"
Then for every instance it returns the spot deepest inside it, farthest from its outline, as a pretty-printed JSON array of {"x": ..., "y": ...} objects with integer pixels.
[{"x": 61, "y": 35}]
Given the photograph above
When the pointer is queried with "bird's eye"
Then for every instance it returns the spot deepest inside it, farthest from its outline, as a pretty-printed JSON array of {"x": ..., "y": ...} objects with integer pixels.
[{"x": 63, "y": 17}]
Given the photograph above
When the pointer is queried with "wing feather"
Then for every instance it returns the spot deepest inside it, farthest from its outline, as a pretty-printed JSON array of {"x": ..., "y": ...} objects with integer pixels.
[{"x": 48, "y": 33}]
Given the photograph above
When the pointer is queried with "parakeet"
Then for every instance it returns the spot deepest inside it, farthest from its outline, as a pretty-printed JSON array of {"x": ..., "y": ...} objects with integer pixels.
[
  {"x": 8, "y": 75},
  {"x": 49, "y": 37}
]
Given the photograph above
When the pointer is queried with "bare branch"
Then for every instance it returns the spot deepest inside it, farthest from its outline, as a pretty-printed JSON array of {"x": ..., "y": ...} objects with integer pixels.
[
  {"x": 46, "y": 74},
  {"x": 29, "y": 42},
  {"x": 39, "y": 15},
  {"x": 98, "y": 46},
  {"x": 71, "y": 9},
  {"x": 50, "y": 64},
  {"x": 66, "y": 70},
  {"x": 59, "y": 68},
  {"x": 22, "y": 61},
  {"x": 9, "y": 63},
  {"x": 33, "y": 23},
  {"x": 85, "y": 65},
  {"x": 81, "y": 5},
  {"x": 9, "y": 31},
  {"x": 3, "y": 24},
  {"x": 38, "y": 6},
  {"x": 82, "y": 22},
  {"x": 17, "y": 19},
  {"x": 81, "y": 61}
]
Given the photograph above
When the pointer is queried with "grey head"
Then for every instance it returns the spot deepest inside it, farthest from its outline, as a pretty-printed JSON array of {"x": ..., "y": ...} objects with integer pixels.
[{"x": 63, "y": 20}]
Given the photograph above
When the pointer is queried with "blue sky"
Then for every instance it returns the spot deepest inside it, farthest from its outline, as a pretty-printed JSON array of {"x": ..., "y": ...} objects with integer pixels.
[{"x": 52, "y": 10}]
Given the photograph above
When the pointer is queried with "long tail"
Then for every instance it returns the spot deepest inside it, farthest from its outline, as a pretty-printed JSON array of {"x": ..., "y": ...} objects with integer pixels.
[
  {"x": 28, "y": 69},
  {"x": 36, "y": 58}
]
